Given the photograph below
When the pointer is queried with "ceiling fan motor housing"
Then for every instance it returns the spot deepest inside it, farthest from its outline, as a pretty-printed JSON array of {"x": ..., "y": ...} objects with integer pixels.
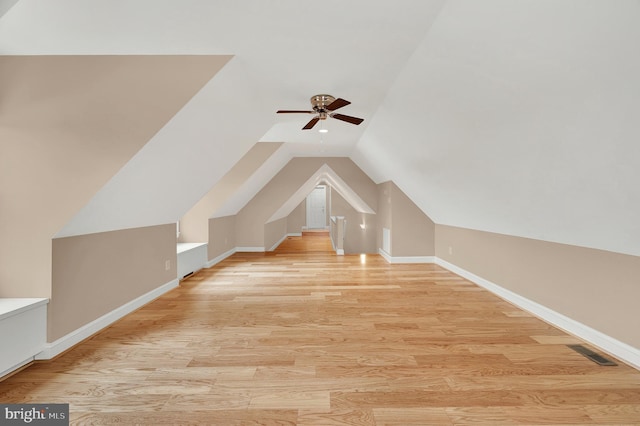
[{"x": 320, "y": 102}]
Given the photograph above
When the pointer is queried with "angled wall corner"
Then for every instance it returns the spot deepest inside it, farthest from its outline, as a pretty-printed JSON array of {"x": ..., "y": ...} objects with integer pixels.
[
  {"x": 254, "y": 184},
  {"x": 194, "y": 224},
  {"x": 297, "y": 219},
  {"x": 411, "y": 231},
  {"x": 221, "y": 238}
]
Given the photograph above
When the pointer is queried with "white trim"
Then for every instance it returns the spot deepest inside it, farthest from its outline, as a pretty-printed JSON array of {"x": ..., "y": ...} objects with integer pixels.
[
  {"x": 340, "y": 252},
  {"x": 406, "y": 259},
  {"x": 10, "y": 306},
  {"x": 183, "y": 247},
  {"x": 234, "y": 250},
  {"x": 386, "y": 239},
  {"x": 54, "y": 349},
  {"x": 220, "y": 258},
  {"x": 191, "y": 257},
  {"x": 619, "y": 349},
  {"x": 16, "y": 367},
  {"x": 249, "y": 249},
  {"x": 273, "y": 247},
  {"x": 385, "y": 255},
  {"x": 284, "y": 237},
  {"x": 23, "y": 331}
]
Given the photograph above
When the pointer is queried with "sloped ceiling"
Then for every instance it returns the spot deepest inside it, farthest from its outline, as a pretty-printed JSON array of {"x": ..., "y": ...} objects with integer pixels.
[
  {"x": 521, "y": 118},
  {"x": 194, "y": 225},
  {"x": 5, "y": 5},
  {"x": 511, "y": 116},
  {"x": 284, "y": 52},
  {"x": 254, "y": 183}
]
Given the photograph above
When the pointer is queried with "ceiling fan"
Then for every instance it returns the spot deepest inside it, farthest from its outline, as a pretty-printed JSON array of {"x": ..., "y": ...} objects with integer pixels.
[{"x": 324, "y": 105}]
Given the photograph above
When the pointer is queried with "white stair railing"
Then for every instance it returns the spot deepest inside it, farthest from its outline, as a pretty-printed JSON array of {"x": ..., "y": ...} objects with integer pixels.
[{"x": 337, "y": 232}]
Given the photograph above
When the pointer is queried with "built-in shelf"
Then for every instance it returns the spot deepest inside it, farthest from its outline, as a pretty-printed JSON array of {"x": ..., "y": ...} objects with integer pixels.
[
  {"x": 23, "y": 331},
  {"x": 191, "y": 258}
]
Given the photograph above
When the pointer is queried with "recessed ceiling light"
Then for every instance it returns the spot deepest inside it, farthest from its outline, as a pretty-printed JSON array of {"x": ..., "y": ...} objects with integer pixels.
[{"x": 323, "y": 130}]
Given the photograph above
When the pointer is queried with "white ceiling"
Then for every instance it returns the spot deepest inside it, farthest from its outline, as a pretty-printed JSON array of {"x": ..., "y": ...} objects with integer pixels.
[
  {"x": 510, "y": 116},
  {"x": 521, "y": 118}
]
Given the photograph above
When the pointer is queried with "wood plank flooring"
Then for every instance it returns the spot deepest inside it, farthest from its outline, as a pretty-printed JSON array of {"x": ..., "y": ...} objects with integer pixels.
[{"x": 318, "y": 339}]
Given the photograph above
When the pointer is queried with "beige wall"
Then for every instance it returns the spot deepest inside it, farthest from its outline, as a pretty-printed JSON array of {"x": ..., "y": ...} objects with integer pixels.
[
  {"x": 222, "y": 236},
  {"x": 251, "y": 219},
  {"x": 97, "y": 273},
  {"x": 68, "y": 124},
  {"x": 412, "y": 231},
  {"x": 194, "y": 224},
  {"x": 384, "y": 211},
  {"x": 356, "y": 239},
  {"x": 274, "y": 232},
  {"x": 597, "y": 288},
  {"x": 298, "y": 218}
]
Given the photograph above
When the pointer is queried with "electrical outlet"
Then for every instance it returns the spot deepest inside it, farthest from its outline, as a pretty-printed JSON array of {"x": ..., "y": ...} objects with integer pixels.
[
  {"x": 450, "y": 250},
  {"x": 167, "y": 265}
]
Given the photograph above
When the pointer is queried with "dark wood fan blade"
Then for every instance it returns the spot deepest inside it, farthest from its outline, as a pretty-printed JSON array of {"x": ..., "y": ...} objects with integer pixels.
[
  {"x": 348, "y": 118},
  {"x": 311, "y": 123},
  {"x": 293, "y": 111},
  {"x": 338, "y": 103}
]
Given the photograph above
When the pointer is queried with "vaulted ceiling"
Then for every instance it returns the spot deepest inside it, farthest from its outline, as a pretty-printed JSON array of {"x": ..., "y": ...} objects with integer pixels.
[{"x": 511, "y": 116}]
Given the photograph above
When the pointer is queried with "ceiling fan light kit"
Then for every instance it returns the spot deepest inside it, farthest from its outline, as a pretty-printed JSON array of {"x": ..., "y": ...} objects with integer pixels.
[{"x": 323, "y": 106}]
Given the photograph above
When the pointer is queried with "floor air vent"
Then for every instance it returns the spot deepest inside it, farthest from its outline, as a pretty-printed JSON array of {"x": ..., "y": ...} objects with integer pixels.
[{"x": 597, "y": 358}]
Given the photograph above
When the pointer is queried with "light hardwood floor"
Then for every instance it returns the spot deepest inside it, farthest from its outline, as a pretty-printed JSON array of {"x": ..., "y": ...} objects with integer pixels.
[{"x": 311, "y": 338}]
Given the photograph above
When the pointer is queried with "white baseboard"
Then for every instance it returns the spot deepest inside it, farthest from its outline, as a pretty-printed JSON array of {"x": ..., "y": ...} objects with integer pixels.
[
  {"x": 619, "y": 349},
  {"x": 54, "y": 349},
  {"x": 340, "y": 252},
  {"x": 220, "y": 258},
  {"x": 15, "y": 367},
  {"x": 284, "y": 237},
  {"x": 385, "y": 255},
  {"x": 249, "y": 249},
  {"x": 406, "y": 259},
  {"x": 275, "y": 246}
]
